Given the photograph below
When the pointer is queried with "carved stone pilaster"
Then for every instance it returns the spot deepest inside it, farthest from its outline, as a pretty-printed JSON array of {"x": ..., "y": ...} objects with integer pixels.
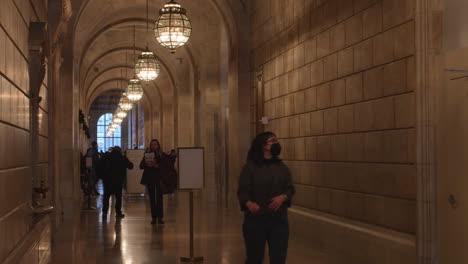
[
  {"x": 37, "y": 70},
  {"x": 64, "y": 12},
  {"x": 428, "y": 47},
  {"x": 37, "y": 55}
]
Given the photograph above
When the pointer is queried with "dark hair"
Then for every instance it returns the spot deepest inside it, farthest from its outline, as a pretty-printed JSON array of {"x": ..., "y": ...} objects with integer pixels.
[
  {"x": 94, "y": 143},
  {"x": 256, "y": 148},
  {"x": 157, "y": 141},
  {"x": 117, "y": 149}
]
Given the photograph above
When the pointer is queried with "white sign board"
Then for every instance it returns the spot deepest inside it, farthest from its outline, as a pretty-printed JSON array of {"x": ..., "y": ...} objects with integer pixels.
[
  {"x": 191, "y": 164},
  {"x": 134, "y": 175}
]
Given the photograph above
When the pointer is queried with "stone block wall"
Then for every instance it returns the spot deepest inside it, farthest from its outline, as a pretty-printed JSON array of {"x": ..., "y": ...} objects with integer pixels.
[
  {"x": 339, "y": 89},
  {"x": 15, "y": 164}
]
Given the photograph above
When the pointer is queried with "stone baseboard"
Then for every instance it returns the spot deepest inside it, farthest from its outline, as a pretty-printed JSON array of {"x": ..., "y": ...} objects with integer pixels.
[
  {"x": 346, "y": 241},
  {"x": 35, "y": 247}
]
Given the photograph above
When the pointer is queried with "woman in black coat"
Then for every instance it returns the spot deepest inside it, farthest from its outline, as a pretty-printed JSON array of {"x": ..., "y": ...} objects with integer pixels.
[
  {"x": 151, "y": 178},
  {"x": 265, "y": 192},
  {"x": 115, "y": 168}
]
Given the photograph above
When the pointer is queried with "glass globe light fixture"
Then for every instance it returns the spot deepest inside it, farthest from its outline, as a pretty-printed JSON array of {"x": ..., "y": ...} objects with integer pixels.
[
  {"x": 147, "y": 67},
  {"x": 117, "y": 120},
  {"x": 120, "y": 113},
  {"x": 125, "y": 104},
  {"x": 134, "y": 90},
  {"x": 173, "y": 28},
  {"x": 113, "y": 126}
]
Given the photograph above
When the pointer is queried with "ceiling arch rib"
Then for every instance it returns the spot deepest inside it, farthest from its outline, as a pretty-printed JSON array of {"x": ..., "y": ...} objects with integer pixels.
[
  {"x": 102, "y": 56},
  {"x": 107, "y": 85},
  {"x": 107, "y": 27},
  {"x": 152, "y": 103},
  {"x": 104, "y": 71},
  {"x": 101, "y": 42},
  {"x": 204, "y": 17},
  {"x": 114, "y": 74},
  {"x": 109, "y": 52},
  {"x": 160, "y": 52}
]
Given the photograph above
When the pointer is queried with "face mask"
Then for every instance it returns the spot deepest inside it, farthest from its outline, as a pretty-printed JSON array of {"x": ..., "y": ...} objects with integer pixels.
[{"x": 275, "y": 149}]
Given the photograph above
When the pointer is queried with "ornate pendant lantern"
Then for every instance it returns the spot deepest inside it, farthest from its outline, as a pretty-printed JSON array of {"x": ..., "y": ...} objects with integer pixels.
[
  {"x": 113, "y": 126},
  {"x": 147, "y": 67},
  {"x": 117, "y": 120},
  {"x": 125, "y": 104},
  {"x": 173, "y": 28},
  {"x": 134, "y": 90},
  {"x": 120, "y": 113}
]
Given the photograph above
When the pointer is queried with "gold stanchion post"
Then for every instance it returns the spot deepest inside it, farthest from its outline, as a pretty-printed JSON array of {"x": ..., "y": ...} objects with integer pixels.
[{"x": 191, "y": 258}]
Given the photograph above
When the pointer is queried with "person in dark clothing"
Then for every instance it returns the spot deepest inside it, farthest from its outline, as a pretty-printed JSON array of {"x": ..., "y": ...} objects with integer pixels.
[
  {"x": 151, "y": 178},
  {"x": 114, "y": 177},
  {"x": 95, "y": 156},
  {"x": 265, "y": 191}
]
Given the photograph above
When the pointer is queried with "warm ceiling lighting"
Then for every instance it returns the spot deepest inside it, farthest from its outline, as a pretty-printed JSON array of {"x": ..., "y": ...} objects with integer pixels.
[
  {"x": 117, "y": 120},
  {"x": 125, "y": 103},
  {"x": 147, "y": 67},
  {"x": 121, "y": 113},
  {"x": 134, "y": 90},
  {"x": 173, "y": 28}
]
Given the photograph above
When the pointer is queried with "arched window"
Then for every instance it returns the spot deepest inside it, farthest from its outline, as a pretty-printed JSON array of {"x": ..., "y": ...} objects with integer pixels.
[{"x": 103, "y": 140}]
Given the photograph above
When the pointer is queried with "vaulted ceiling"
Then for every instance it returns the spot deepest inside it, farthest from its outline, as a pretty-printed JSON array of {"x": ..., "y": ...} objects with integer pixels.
[{"x": 104, "y": 39}]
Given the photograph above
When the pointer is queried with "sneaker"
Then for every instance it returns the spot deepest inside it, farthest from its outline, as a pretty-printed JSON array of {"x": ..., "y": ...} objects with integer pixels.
[{"x": 119, "y": 215}]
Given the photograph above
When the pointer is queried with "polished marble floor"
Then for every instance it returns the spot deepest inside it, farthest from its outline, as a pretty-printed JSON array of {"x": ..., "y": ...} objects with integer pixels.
[{"x": 87, "y": 238}]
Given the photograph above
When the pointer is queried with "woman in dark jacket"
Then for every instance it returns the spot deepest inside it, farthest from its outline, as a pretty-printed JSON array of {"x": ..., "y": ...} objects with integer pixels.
[
  {"x": 265, "y": 192},
  {"x": 115, "y": 166},
  {"x": 151, "y": 178}
]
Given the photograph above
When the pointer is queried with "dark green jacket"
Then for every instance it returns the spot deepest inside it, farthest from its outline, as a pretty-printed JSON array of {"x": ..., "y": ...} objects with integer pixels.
[{"x": 259, "y": 183}]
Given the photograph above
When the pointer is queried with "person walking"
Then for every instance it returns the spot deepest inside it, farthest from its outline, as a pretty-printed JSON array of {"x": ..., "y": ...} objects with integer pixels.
[
  {"x": 114, "y": 177},
  {"x": 151, "y": 178},
  {"x": 93, "y": 154},
  {"x": 265, "y": 191}
]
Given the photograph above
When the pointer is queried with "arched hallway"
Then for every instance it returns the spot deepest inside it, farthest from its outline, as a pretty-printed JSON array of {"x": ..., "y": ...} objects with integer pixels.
[{"x": 368, "y": 99}]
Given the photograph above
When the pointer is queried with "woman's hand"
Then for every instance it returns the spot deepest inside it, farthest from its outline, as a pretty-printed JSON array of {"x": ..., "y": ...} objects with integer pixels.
[
  {"x": 152, "y": 164},
  {"x": 253, "y": 207},
  {"x": 276, "y": 202}
]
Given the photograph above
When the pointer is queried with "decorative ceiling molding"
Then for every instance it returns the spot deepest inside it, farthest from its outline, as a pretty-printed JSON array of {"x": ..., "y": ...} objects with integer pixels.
[{"x": 62, "y": 28}]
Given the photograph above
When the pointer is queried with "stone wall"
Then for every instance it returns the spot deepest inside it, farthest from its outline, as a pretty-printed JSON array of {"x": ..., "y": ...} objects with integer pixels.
[
  {"x": 339, "y": 89},
  {"x": 15, "y": 165}
]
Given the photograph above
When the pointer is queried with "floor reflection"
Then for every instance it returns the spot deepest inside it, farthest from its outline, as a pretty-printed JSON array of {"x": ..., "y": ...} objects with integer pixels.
[{"x": 133, "y": 239}]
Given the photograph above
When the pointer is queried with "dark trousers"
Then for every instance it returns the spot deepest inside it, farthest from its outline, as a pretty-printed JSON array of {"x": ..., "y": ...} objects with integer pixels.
[
  {"x": 156, "y": 199},
  {"x": 267, "y": 228},
  {"x": 108, "y": 191}
]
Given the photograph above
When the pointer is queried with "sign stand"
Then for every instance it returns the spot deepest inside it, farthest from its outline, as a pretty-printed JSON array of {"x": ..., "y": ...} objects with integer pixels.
[
  {"x": 191, "y": 177},
  {"x": 191, "y": 258}
]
